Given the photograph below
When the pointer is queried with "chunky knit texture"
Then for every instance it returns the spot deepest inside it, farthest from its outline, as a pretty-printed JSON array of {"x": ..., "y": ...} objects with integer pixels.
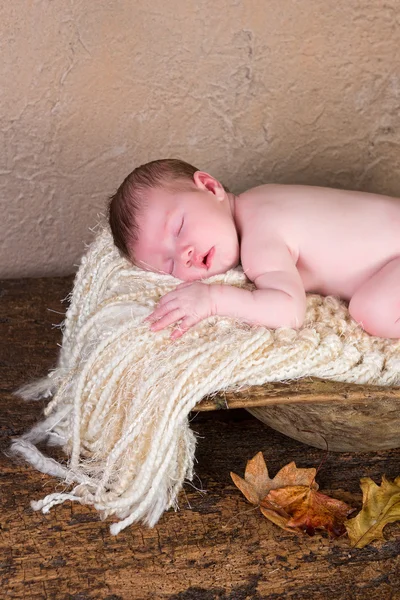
[{"x": 121, "y": 395}]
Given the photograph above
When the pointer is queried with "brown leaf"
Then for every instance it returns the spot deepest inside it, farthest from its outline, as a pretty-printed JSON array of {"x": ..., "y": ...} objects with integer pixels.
[
  {"x": 310, "y": 510},
  {"x": 257, "y": 483},
  {"x": 290, "y": 499},
  {"x": 381, "y": 505},
  {"x": 277, "y": 518}
]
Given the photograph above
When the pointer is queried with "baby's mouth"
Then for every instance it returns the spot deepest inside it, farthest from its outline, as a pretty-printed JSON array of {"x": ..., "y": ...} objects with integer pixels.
[{"x": 207, "y": 260}]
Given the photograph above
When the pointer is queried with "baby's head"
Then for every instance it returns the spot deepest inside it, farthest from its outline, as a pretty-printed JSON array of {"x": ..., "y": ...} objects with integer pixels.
[{"x": 169, "y": 217}]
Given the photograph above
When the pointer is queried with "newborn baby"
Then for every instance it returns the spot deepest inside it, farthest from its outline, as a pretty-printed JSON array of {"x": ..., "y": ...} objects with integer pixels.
[{"x": 169, "y": 217}]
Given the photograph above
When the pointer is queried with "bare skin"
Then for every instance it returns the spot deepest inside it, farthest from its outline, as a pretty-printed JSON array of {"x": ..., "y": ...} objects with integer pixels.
[{"x": 290, "y": 240}]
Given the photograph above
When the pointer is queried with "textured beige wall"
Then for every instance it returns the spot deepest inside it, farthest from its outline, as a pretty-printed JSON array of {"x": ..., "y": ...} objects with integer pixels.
[{"x": 251, "y": 90}]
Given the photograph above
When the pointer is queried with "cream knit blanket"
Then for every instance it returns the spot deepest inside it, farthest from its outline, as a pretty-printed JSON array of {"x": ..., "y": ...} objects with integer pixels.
[{"x": 121, "y": 395}]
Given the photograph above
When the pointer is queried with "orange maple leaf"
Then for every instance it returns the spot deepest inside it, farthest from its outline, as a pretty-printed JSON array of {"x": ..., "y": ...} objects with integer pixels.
[
  {"x": 310, "y": 510},
  {"x": 290, "y": 499}
]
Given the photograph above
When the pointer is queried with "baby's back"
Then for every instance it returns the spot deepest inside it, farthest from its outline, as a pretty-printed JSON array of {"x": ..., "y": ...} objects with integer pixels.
[{"x": 338, "y": 238}]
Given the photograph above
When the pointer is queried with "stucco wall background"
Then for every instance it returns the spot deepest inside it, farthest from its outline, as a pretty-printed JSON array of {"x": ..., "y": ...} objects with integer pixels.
[{"x": 253, "y": 91}]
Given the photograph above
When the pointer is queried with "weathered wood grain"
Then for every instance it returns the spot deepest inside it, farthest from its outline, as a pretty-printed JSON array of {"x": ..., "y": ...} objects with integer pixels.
[
  {"x": 215, "y": 546},
  {"x": 309, "y": 390},
  {"x": 340, "y": 416}
]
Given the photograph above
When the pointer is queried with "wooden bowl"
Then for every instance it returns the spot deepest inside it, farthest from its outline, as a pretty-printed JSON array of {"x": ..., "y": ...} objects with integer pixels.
[{"x": 342, "y": 417}]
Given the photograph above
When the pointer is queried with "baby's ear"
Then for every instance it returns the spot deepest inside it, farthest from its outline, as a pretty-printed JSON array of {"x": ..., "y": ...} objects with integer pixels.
[{"x": 206, "y": 182}]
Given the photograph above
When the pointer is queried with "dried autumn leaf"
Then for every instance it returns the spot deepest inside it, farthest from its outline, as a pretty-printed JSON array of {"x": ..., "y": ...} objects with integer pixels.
[
  {"x": 290, "y": 499},
  {"x": 310, "y": 510},
  {"x": 257, "y": 483},
  {"x": 381, "y": 505}
]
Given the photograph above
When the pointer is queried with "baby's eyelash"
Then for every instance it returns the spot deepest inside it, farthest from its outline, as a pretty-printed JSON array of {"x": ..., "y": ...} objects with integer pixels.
[{"x": 180, "y": 228}]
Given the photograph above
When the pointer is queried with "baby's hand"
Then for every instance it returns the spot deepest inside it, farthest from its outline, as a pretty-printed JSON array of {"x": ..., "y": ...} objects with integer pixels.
[{"x": 189, "y": 303}]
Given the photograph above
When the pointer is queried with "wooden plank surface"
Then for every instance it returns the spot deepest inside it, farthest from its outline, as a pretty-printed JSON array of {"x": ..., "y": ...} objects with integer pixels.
[
  {"x": 215, "y": 546},
  {"x": 309, "y": 390}
]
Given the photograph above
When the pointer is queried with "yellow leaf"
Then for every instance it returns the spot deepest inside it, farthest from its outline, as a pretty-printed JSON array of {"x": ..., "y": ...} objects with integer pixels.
[{"x": 381, "y": 505}]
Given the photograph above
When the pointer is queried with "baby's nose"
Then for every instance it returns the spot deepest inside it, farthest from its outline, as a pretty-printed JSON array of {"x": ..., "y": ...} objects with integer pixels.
[{"x": 187, "y": 255}]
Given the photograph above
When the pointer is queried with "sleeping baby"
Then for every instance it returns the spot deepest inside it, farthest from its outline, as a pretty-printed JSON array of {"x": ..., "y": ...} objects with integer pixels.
[{"x": 169, "y": 217}]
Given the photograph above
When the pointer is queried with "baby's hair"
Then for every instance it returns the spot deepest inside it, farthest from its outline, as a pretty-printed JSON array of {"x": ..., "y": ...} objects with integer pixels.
[{"x": 129, "y": 199}]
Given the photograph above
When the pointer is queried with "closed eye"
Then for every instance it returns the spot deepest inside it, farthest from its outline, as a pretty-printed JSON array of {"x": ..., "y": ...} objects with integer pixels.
[{"x": 180, "y": 228}]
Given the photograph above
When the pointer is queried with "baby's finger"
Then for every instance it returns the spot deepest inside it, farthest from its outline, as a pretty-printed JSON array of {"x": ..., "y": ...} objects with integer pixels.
[
  {"x": 161, "y": 310},
  {"x": 171, "y": 317},
  {"x": 166, "y": 298},
  {"x": 183, "y": 327}
]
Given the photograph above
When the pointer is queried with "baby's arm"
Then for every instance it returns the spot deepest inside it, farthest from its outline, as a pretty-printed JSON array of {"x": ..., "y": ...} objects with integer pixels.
[
  {"x": 278, "y": 301},
  {"x": 269, "y": 307}
]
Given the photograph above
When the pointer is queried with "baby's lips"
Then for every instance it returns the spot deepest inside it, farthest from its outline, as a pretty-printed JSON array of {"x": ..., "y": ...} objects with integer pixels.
[
  {"x": 199, "y": 261},
  {"x": 203, "y": 261},
  {"x": 210, "y": 257}
]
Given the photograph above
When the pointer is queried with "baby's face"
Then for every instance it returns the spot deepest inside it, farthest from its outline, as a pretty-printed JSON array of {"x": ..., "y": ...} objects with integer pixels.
[{"x": 188, "y": 234}]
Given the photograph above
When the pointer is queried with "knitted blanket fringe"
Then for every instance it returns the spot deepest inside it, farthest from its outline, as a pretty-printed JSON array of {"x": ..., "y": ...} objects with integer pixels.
[{"x": 121, "y": 395}]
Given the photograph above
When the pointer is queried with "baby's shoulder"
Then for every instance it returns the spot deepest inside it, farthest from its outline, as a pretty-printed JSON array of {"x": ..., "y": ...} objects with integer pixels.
[
  {"x": 266, "y": 224},
  {"x": 259, "y": 211},
  {"x": 270, "y": 198}
]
